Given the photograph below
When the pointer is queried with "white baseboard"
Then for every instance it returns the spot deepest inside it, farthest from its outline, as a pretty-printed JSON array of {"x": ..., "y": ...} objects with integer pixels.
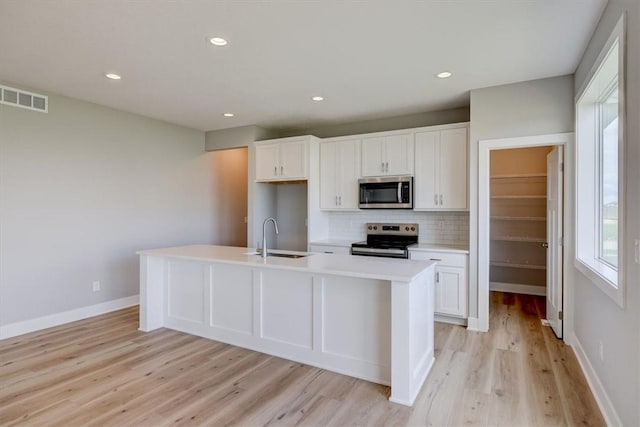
[
  {"x": 450, "y": 319},
  {"x": 472, "y": 324},
  {"x": 602, "y": 398},
  {"x": 517, "y": 288},
  {"x": 32, "y": 325}
]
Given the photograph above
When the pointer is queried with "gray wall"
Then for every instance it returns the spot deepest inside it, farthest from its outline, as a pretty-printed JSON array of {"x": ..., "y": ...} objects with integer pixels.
[
  {"x": 236, "y": 137},
  {"x": 81, "y": 189},
  {"x": 521, "y": 109},
  {"x": 455, "y": 115},
  {"x": 597, "y": 318},
  {"x": 291, "y": 213}
]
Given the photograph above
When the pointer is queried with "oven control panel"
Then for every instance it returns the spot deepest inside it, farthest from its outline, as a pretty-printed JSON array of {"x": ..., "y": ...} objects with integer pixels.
[{"x": 378, "y": 228}]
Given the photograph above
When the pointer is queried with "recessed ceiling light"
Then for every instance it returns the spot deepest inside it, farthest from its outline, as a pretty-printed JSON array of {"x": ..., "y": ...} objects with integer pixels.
[
  {"x": 228, "y": 114},
  {"x": 443, "y": 75},
  {"x": 317, "y": 98},
  {"x": 217, "y": 41},
  {"x": 112, "y": 76}
]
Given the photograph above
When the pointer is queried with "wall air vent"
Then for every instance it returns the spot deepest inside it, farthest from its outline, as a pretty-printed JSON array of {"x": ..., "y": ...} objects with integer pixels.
[{"x": 23, "y": 99}]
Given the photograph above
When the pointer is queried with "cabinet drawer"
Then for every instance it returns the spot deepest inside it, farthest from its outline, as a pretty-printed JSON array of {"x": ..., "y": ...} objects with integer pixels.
[
  {"x": 442, "y": 258},
  {"x": 330, "y": 249}
]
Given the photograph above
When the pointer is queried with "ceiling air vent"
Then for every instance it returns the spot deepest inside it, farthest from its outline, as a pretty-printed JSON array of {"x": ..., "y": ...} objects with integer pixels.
[{"x": 23, "y": 99}]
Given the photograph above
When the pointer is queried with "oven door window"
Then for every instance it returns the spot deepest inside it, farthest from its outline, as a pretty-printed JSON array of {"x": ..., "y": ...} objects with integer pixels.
[{"x": 379, "y": 192}]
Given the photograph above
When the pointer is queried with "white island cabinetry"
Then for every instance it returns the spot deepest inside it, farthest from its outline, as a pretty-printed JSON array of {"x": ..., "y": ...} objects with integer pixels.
[{"x": 364, "y": 317}]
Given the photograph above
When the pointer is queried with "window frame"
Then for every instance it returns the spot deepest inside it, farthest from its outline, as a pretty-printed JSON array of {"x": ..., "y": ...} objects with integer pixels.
[
  {"x": 588, "y": 157},
  {"x": 606, "y": 93}
]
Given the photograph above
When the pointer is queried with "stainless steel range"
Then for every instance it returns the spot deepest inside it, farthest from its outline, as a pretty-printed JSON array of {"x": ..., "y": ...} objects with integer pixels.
[{"x": 387, "y": 240}]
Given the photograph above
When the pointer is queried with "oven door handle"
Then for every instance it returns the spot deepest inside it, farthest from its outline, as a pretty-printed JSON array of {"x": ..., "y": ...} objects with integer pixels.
[{"x": 399, "y": 192}]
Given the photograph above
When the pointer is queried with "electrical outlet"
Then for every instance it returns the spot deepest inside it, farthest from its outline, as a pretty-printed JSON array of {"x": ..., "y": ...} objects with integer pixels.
[
  {"x": 601, "y": 352},
  {"x": 96, "y": 286}
]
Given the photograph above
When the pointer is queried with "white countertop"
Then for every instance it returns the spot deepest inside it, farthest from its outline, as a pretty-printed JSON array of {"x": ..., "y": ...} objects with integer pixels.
[
  {"x": 440, "y": 247},
  {"x": 402, "y": 270}
]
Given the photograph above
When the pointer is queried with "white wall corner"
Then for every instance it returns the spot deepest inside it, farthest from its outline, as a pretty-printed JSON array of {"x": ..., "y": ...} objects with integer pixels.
[
  {"x": 57, "y": 319},
  {"x": 602, "y": 398}
]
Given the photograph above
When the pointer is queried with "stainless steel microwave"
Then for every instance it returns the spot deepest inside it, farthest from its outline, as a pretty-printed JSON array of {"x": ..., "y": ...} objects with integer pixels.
[{"x": 386, "y": 193}]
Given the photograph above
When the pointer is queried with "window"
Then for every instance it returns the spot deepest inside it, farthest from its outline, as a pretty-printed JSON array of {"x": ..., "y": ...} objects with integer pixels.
[{"x": 599, "y": 169}]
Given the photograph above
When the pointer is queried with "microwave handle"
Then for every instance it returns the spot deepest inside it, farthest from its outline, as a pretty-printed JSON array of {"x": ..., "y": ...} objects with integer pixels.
[{"x": 399, "y": 192}]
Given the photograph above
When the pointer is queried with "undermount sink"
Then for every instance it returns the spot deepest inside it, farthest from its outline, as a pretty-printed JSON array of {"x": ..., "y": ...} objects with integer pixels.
[{"x": 279, "y": 254}]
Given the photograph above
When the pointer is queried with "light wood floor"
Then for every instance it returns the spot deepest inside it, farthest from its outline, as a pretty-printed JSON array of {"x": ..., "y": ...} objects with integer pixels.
[{"x": 103, "y": 371}]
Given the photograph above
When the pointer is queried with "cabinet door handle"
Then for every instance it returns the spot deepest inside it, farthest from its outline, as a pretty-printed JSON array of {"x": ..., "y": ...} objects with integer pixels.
[
  {"x": 437, "y": 277},
  {"x": 281, "y": 170},
  {"x": 435, "y": 199},
  {"x": 441, "y": 200},
  {"x": 382, "y": 167},
  {"x": 340, "y": 200},
  {"x": 275, "y": 170},
  {"x": 386, "y": 167},
  {"x": 328, "y": 252},
  {"x": 435, "y": 259}
]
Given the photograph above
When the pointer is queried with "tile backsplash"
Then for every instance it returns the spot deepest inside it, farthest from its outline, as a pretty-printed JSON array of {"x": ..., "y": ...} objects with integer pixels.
[{"x": 434, "y": 227}]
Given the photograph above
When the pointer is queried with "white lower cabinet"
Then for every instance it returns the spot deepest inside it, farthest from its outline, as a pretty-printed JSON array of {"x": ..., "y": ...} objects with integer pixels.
[
  {"x": 451, "y": 281},
  {"x": 344, "y": 250}
]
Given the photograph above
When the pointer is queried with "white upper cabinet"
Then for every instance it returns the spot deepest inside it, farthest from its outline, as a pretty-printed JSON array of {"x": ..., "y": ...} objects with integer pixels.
[
  {"x": 267, "y": 162},
  {"x": 282, "y": 160},
  {"x": 339, "y": 174},
  {"x": 441, "y": 169},
  {"x": 387, "y": 155}
]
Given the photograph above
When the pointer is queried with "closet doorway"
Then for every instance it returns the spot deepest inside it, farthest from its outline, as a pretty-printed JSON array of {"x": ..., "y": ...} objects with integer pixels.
[
  {"x": 525, "y": 194},
  {"x": 518, "y": 214},
  {"x": 520, "y": 218}
]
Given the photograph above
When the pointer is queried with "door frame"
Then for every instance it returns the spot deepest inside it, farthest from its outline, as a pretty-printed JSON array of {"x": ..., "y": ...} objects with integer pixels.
[{"x": 483, "y": 249}]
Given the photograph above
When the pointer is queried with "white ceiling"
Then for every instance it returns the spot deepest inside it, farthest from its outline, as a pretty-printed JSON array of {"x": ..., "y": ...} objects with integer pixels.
[{"x": 369, "y": 59}]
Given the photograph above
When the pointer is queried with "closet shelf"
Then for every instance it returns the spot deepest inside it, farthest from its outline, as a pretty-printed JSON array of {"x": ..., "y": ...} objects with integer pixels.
[
  {"x": 515, "y": 265},
  {"x": 519, "y": 175},
  {"x": 519, "y": 197},
  {"x": 519, "y": 239},
  {"x": 519, "y": 218}
]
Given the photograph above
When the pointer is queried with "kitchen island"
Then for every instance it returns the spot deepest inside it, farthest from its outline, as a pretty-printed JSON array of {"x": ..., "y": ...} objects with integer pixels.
[{"x": 371, "y": 318}]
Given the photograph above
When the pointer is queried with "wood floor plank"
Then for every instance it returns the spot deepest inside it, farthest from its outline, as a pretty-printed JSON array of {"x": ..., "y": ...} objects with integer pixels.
[
  {"x": 102, "y": 371},
  {"x": 579, "y": 407},
  {"x": 543, "y": 392},
  {"x": 471, "y": 409},
  {"x": 507, "y": 401}
]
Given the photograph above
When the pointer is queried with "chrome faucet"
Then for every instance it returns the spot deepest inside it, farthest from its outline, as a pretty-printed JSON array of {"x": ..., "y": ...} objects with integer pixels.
[{"x": 264, "y": 234}]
